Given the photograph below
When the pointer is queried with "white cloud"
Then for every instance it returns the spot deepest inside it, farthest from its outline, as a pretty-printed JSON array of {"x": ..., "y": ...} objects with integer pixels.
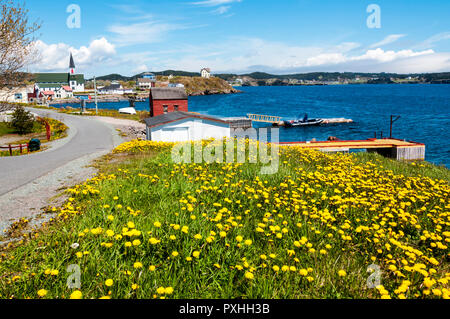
[
  {"x": 430, "y": 42},
  {"x": 221, "y": 10},
  {"x": 55, "y": 57},
  {"x": 213, "y": 3},
  {"x": 388, "y": 40},
  {"x": 141, "y": 33},
  {"x": 388, "y": 56},
  {"x": 241, "y": 55},
  {"x": 141, "y": 68}
]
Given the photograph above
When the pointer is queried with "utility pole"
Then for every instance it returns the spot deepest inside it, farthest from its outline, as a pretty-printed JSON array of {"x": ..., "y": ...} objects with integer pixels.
[
  {"x": 95, "y": 92},
  {"x": 394, "y": 118}
]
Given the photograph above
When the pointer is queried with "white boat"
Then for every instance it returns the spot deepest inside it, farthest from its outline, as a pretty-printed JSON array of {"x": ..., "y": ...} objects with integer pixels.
[{"x": 128, "y": 110}]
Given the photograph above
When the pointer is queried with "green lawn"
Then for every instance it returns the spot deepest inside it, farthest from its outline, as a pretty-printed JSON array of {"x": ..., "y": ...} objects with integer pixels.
[
  {"x": 5, "y": 129},
  {"x": 149, "y": 228}
]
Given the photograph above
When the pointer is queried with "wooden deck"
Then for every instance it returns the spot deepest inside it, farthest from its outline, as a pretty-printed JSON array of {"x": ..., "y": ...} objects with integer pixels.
[
  {"x": 264, "y": 118},
  {"x": 394, "y": 148}
]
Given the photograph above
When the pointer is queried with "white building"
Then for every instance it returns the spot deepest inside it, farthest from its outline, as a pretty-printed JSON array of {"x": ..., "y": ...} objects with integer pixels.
[
  {"x": 205, "y": 73},
  {"x": 16, "y": 94},
  {"x": 52, "y": 81},
  {"x": 185, "y": 126},
  {"x": 59, "y": 91},
  {"x": 117, "y": 89},
  {"x": 146, "y": 83}
]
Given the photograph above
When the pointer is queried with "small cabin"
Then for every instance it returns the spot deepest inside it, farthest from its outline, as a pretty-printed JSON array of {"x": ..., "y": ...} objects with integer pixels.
[
  {"x": 167, "y": 100},
  {"x": 184, "y": 126},
  {"x": 205, "y": 73}
]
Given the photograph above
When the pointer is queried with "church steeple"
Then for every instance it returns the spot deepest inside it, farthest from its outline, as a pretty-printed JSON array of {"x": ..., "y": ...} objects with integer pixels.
[{"x": 71, "y": 65}]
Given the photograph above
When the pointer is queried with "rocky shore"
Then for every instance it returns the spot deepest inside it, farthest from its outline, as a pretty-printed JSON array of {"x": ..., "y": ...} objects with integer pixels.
[{"x": 213, "y": 92}]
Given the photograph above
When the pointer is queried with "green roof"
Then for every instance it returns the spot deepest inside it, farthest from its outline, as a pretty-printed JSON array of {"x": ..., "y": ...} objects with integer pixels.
[
  {"x": 59, "y": 78},
  {"x": 50, "y": 85}
]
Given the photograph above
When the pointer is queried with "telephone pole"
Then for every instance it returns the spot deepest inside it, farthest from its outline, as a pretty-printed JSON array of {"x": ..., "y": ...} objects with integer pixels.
[{"x": 95, "y": 93}]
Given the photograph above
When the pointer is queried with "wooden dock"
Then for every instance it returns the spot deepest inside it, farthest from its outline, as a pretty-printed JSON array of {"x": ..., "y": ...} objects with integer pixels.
[
  {"x": 388, "y": 147},
  {"x": 265, "y": 118}
]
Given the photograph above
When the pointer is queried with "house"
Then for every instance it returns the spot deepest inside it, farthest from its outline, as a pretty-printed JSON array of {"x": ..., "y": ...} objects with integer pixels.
[
  {"x": 111, "y": 89},
  {"x": 145, "y": 83},
  {"x": 59, "y": 91},
  {"x": 185, "y": 126},
  {"x": 49, "y": 81},
  {"x": 176, "y": 85},
  {"x": 166, "y": 100},
  {"x": 205, "y": 73},
  {"x": 15, "y": 94},
  {"x": 114, "y": 88},
  {"x": 56, "y": 80},
  {"x": 148, "y": 75}
]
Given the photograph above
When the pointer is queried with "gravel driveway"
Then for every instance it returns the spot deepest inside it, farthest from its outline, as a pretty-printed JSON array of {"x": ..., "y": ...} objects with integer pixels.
[{"x": 28, "y": 182}]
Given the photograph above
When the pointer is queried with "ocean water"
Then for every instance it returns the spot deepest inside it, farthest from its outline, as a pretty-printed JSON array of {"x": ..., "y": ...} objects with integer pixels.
[{"x": 424, "y": 111}]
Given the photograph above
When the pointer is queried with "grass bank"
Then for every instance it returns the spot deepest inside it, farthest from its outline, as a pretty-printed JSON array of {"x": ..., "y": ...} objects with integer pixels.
[
  {"x": 146, "y": 227},
  {"x": 140, "y": 116},
  {"x": 5, "y": 129},
  {"x": 58, "y": 129}
]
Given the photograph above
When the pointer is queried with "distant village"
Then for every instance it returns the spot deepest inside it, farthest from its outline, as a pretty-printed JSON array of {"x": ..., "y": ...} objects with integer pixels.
[
  {"x": 45, "y": 88},
  {"x": 262, "y": 79}
]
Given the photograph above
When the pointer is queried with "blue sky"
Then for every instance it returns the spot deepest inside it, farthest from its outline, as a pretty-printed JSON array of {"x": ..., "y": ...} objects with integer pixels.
[{"x": 241, "y": 36}]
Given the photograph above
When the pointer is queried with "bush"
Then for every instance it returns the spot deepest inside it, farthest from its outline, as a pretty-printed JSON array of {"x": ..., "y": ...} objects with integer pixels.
[{"x": 22, "y": 121}]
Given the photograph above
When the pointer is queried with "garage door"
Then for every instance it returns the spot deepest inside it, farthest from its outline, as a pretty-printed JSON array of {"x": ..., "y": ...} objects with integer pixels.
[{"x": 178, "y": 134}]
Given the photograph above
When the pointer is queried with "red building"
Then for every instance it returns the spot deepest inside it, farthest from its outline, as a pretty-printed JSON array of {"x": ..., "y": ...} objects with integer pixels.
[{"x": 166, "y": 100}]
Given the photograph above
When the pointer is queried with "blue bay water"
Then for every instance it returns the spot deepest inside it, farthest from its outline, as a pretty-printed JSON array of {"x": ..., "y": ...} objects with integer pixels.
[{"x": 424, "y": 111}]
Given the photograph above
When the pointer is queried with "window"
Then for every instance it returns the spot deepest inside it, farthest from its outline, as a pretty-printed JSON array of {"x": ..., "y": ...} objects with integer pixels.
[
  {"x": 175, "y": 108},
  {"x": 166, "y": 109}
]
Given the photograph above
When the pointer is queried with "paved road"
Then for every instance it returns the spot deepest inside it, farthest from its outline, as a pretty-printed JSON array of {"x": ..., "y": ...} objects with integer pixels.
[{"x": 86, "y": 136}]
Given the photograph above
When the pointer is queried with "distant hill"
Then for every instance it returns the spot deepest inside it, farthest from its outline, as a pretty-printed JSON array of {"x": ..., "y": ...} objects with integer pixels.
[
  {"x": 111, "y": 77},
  {"x": 267, "y": 78},
  {"x": 118, "y": 77},
  {"x": 201, "y": 86}
]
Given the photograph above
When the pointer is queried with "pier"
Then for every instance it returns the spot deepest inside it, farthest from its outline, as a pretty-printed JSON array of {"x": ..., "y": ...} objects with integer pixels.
[
  {"x": 388, "y": 147},
  {"x": 264, "y": 118}
]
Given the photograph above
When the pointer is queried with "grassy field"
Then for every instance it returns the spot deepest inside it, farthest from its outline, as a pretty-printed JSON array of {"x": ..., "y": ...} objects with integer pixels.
[
  {"x": 146, "y": 227},
  {"x": 5, "y": 129},
  {"x": 58, "y": 129}
]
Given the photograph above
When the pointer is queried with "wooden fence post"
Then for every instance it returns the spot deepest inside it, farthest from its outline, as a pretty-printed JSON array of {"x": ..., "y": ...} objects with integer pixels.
[{"x": 10, "y": 149}]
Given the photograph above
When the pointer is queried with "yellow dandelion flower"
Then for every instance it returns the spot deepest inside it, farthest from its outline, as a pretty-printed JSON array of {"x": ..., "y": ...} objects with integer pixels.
[{"x": 76, "y": 295}]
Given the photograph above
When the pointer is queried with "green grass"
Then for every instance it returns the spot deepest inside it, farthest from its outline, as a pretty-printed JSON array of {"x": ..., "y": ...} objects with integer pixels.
[
  {"x": 58, "y": 129},
  {"x": 5, "y": 129},
  {"x": 320, "y": 197},
  {"x": 101, "y": 112},
  {"x": 407, "y": 168}
]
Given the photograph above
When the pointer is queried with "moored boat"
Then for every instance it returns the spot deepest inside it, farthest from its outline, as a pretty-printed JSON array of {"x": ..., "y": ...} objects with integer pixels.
[
  {"x": 128, "y": 110},
  {"x": 304, "y": 122}
]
